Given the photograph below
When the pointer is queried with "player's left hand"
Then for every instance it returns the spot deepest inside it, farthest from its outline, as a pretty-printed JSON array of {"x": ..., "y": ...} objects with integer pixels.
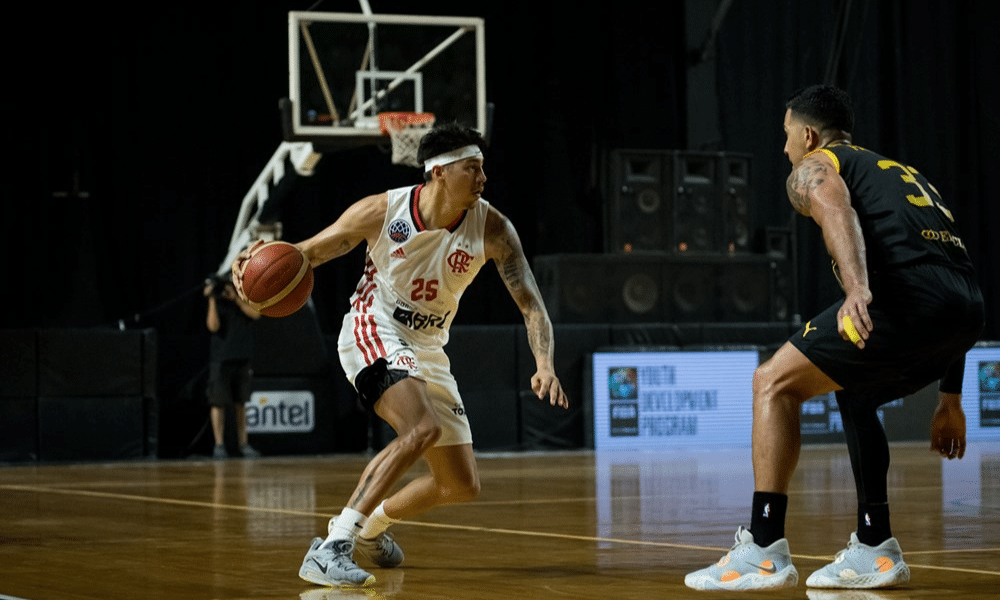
[
  {"x": 948, "y": 427},
  {"x": 545, "y": 383}
]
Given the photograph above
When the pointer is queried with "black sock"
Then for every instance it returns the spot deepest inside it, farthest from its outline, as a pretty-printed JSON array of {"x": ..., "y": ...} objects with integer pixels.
[
  {"x": 767, "y": 522},
  {"x": 873, "y": 523}
]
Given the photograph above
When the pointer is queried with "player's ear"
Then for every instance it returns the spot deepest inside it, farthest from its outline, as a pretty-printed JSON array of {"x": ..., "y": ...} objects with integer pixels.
[{"x": 811, "y": 137}]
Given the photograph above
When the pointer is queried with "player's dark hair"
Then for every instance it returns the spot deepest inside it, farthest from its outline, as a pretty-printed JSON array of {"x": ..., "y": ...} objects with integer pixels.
[
  {"x": 824, "y": 106},
  {"x": 447, "y": 137}
]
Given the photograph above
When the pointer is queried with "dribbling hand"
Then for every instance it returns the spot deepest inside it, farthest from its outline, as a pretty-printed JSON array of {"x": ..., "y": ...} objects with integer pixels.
[{"x": 237, "y": 267}]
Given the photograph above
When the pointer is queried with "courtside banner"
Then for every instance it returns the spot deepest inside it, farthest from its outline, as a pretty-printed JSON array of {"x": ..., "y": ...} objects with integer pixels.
[
  {"x": 649, "y": 400},
  {"x": 281, "y": 412},
  {"x": 981, "y": 392}
]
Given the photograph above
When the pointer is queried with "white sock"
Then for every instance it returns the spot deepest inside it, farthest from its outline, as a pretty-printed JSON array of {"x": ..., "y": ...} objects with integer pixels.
[
  {"x": 344, "y": 526},
  {"x": 377, "y": 523}
]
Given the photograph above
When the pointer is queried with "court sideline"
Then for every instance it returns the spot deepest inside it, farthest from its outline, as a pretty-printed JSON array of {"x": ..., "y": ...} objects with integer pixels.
[{"x": 554, "y": 525}]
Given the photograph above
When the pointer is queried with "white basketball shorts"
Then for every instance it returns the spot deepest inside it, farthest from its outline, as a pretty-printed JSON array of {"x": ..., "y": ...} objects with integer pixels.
[{"x": 364, "y": 338}]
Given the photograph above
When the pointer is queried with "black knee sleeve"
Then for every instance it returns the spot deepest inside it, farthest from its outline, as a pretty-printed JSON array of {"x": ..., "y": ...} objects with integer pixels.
[{"x": 374, "y": 380}]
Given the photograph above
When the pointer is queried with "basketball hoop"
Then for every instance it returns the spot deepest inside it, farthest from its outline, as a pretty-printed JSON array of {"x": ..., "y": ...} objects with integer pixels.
[{"x": 405, "y": 129}]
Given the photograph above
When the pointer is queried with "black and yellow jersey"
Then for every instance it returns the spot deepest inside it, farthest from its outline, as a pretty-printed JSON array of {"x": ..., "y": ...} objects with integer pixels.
[{"x": 903, "y": 217}]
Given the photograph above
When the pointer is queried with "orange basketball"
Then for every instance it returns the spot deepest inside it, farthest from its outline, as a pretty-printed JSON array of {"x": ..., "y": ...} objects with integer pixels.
[{"x": 277, "y": 279}]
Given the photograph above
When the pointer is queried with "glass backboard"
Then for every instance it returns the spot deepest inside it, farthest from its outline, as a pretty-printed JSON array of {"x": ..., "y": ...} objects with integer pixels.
[{"x": 347, "y": 68}]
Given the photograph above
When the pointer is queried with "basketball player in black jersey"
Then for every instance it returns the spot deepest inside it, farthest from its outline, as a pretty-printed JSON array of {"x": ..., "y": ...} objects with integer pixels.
[{"x": 911, "y": 310}]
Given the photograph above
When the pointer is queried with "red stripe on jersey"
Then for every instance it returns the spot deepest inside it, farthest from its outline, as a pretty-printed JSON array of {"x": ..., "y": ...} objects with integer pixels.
[
  {"x": 375, "y": 336},
  {"x": 362, "y": 341},
  {"x": 357, "y": 340},
  {"x": 365, "y": 287},
  {"x": 364, "y": 298}
]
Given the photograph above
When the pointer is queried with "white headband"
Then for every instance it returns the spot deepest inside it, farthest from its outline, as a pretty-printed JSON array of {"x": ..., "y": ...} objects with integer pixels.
[{"x": 471, "y": 151}]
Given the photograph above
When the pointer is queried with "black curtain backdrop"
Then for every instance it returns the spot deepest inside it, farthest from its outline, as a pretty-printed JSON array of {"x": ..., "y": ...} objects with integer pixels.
[
  {"x": 922, "y": 77},
  {"x": 142, "y": 134}
]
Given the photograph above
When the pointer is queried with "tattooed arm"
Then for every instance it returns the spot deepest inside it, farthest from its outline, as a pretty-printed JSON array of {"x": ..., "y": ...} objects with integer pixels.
[
  {"x": 361, "y": 221},
  {"x": 816, "y": 190},
  {"x": 504, "y": 247}
]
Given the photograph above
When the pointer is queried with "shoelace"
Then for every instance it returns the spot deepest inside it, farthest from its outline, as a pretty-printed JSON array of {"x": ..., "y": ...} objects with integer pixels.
[
  {"x": 341, "y": 555},
  {"x": 737, "y": 541},
  {"x": 839, "y": 557}
]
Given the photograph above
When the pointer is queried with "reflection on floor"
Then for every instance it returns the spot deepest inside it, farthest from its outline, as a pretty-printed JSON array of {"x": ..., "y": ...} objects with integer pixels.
[{"x": 548, "y": 525}]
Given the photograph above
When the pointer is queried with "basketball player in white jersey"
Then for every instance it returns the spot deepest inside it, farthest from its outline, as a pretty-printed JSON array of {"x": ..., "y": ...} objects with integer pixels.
[{"x": 425, "y": 246}]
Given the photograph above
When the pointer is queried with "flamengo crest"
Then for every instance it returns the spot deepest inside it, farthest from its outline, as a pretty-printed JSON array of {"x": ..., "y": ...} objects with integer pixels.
[{"x": 459, "y": 261}]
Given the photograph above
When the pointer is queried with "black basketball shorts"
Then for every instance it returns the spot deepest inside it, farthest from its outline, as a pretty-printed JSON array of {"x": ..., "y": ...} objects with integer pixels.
[{"x": 924, "y": 318}]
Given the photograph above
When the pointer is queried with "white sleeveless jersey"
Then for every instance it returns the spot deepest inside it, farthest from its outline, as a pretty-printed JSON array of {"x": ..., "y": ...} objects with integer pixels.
[{"x": 415, "y": 277}]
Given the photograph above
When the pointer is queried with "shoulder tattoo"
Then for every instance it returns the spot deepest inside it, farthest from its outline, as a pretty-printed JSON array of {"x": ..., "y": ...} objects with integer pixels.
[{"x": 803, "y": 180}]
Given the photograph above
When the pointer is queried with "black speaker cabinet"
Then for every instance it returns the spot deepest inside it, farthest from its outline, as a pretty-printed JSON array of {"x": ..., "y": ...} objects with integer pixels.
[
  {"x": 697, "y": 215},
  {"x": 647, "y": 288},
  {"x": 679, "y": 202},
  {"x": 779, "y": 245},
  {"x": 717, "y": 289},
  {"x": 737, "y": 203},
  {"x": 602, "y": 288},
  {"x": 640, "y": 199}
]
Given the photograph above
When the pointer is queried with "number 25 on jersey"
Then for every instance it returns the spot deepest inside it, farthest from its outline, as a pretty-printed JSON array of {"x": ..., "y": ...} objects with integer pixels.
[{"x": 424, "y": 289}]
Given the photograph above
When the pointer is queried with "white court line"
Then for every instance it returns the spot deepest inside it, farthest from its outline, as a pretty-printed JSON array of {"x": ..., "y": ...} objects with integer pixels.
[{"x": 561, "y": 536}]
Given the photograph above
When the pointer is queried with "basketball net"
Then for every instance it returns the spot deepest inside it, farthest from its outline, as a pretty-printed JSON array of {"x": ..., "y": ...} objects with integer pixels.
[{"x": 405, "y": 130}]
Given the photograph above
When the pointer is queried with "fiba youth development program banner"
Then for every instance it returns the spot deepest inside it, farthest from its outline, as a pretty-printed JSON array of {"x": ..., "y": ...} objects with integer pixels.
[
  {"x": 651, "y": 400},
  {"x": 645, "y": 400}
]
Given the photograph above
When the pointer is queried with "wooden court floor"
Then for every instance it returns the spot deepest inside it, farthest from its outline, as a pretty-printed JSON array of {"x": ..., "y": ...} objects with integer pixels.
[{"x": 578, "y": 525}]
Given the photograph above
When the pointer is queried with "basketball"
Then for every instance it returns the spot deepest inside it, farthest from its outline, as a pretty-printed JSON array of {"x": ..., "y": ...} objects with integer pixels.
[{"x": 277, "y": 279}]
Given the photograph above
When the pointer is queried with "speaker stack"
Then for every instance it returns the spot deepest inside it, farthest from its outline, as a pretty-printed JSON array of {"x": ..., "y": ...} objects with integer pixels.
[
  {"x": 678, "y": 203},
  {"x": 678, "y": 242}
]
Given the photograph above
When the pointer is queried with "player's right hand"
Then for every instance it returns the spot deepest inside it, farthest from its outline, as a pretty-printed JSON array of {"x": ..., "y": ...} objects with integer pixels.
[
  {"x": 855, "y": 307},
  {"x": 545, "y": 383},
  {"x": 948, "y": 427},
  {"x": 237, "y": 267}
]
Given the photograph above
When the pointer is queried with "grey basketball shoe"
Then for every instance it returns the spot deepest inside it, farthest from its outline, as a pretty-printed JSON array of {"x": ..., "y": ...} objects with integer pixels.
[
  {"x": 334, "y": 565},
  {"x": 383, "y": 550}
]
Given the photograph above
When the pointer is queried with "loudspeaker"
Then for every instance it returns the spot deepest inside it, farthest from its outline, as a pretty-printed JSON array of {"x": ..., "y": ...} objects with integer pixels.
[
  {"x": 640, "y": 190},
  {"x": 737, "y": 203},
  {"x": 778, "y": 242},
  {"x": 779, "y": 247},
  {"x": 697, "y": 217},
  {"x": 784, "y": 291},
  {"x": 717, "y": 289},
  {"x": 646, "y": 288},
  {"x": 601, "y": 288},
  {"x": 679, "y": 202}
]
